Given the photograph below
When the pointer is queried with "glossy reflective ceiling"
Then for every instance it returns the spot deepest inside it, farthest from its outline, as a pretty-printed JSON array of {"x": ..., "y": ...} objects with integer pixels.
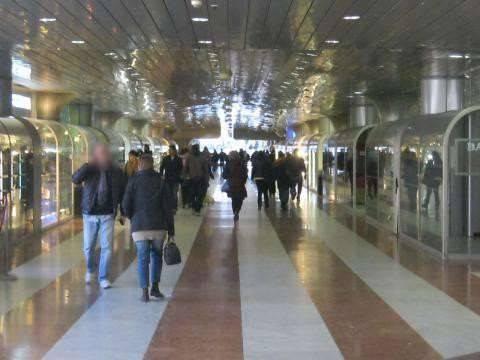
[{"x": 250, "y": 64}]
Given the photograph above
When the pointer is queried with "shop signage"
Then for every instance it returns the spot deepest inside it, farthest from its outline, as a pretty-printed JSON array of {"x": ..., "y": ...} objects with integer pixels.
[{"x": 467, "y": 157}]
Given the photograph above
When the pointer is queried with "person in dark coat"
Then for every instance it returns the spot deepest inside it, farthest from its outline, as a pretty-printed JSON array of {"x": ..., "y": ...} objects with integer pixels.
[
  {"x": 432, "y": 179},
  {"x": 298, "y": 170},
  {"x": 262, "y": 175},
  {"x": 171, "y": 170},
  {"x": 272, "y": 157},
  {"x": 283, "y": 178},
  {"x": 149, "y": 204},
  {"x": 103, "y": 189},
  {"x": 236, "y": 174},
  {"x": 197, "y": 169}
]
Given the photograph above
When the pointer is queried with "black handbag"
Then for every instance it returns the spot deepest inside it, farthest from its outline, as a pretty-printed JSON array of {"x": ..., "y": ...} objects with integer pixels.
[{"x": 171, "y": 253}]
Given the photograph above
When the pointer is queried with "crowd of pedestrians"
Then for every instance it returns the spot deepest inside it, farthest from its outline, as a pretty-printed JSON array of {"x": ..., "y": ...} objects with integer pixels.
[{"x": 149, "y": 198}]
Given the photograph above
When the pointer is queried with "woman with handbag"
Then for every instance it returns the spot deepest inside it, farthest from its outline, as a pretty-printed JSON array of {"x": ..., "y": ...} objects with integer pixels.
[
  {"x": 236, "y": 175},
  {"x": 149, "y": 204}
]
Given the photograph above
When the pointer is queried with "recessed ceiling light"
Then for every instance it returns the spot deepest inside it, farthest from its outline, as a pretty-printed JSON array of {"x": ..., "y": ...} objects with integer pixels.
[
  {"x": 332, "y": 41},
  {"x": 199, "y": 19},
  {"x": 78, "y": 42},
  {"x": 351, "y": 17},
  {"x": 196, "y": 3},
  {"x": 204, "y": 41},
  {"x": 47, "y": 19}
]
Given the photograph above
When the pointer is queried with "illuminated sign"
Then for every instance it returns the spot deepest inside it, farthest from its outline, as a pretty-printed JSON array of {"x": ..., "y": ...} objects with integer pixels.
[{"x": 467, "y": 157}]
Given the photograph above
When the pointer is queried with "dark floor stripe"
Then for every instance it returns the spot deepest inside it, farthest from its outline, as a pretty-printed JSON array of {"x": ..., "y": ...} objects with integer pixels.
[
  {"x": 29, "y": 330},
  {"x": 361, "y": 323},
  {"x": 452, "y": 278},
  {"x": 203, "y": 319}
]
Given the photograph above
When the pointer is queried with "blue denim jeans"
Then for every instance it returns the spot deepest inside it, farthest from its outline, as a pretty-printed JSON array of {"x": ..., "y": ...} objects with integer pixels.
[
  {"x": 98, "y": 227},
  {"x": 149, "y": 251}
]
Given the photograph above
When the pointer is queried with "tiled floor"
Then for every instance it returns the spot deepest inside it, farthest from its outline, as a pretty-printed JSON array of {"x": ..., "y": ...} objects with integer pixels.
[{"x": 315, "y": 282}]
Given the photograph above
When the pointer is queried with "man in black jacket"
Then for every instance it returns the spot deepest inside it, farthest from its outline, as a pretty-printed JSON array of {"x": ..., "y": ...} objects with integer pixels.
[
  {"x": 171, "y": 170},
  {"x": 103, "y": 188},
  {"x": 149, "y": 205}
]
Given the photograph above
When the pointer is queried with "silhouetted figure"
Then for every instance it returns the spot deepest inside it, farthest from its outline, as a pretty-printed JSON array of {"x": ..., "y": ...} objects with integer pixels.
[
  {"x": 171, "y": 170},
  {"x": 262, "y": 175},
  {"x": 281, "y": 174},
  {"x": 432, "y": 179},
  {"x": 236, "y": 174},
  {"x": 197, "y": 170}
]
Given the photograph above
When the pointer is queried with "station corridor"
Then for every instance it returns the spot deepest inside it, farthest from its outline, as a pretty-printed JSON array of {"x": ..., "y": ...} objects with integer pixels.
[{"x": 311, "y": 283}]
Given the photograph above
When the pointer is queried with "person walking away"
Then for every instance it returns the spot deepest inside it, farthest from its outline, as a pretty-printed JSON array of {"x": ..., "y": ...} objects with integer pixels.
[
  {"x": 131, "y": 166},
  {"x": 171, "y": 170},
  {"x": 215, "y": 158},
  {"x": 298, "y": 169},
  {"x": 272, "y": 157},
  {"x": 149, "y": 204},
  {"x": 262, "y": 175},
  {"x": 236, "y": 174},
  {"x": 281, "y": 174},
  {"x": 198, "y": 171},
  {"x": 185, "y": 188},
  {"x": 103, "y": 189}
]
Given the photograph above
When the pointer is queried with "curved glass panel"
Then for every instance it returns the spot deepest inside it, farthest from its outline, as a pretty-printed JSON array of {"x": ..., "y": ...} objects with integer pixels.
[
  {"x": 421, "y": 167},
  {"x": 57, "y": 162},
  {"x": 81, "y": 145},
  {"x": 348, "y": 150},
  {"x": 464, "y": 186},
  {"x": 18, "y": 176},
  {"x": 382, "y": 166}
]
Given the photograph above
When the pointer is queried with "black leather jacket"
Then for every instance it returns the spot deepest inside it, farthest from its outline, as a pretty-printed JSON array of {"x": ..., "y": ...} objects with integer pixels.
[
  {"x": 148, "y": 202},
  {"x": 88, "y": 175}
]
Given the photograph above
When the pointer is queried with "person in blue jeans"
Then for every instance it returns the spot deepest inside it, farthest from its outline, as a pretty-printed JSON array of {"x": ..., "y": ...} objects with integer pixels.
[
  {"x": 150, "y": 206},
  {"x": 103, "y": 187}
]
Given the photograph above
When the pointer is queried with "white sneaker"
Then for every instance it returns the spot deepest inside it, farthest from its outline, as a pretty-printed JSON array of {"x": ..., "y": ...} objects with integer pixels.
[
  {"x": 88, "y": 277},
  {"x": 105, "y": 284}
]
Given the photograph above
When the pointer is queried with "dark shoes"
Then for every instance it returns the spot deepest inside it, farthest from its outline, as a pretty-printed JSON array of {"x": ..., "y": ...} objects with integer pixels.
[{"x": 155, "y": 292}]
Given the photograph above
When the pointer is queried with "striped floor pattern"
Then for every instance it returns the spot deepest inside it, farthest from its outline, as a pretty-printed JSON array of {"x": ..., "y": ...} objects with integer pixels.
[{"x": 311, "y": 283}]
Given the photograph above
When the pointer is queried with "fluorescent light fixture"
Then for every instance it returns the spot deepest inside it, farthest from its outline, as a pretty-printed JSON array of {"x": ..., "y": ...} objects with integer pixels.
[
  {"x": 48, "y": 19},
  {"x": 21, "y": 102},
  {"x": 204, "y": 41},
  {"x": 358, "y": 92},
  {"x": 78, "y": 42},
  {"x": 332, "y": 41},
  {"x": 351, "y": 17},
  {"x": 199, "y": 19},
  {"x": 456, "y": 56},
  {"x": 111, "y": 53}
]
